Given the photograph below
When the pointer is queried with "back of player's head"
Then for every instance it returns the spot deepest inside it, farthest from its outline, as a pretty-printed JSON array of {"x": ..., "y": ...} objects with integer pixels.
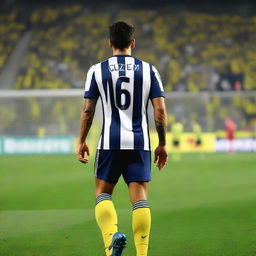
[{"x": 121, "y": 35}]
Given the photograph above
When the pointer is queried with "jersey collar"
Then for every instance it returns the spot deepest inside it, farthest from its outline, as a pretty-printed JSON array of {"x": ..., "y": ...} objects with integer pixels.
[{"x": 122, "y": 55}]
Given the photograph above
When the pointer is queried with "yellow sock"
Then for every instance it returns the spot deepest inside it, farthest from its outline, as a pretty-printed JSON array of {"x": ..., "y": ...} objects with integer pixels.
[
  {"x": 106, "y": 218},
  {"x": 141, "y": 223}
]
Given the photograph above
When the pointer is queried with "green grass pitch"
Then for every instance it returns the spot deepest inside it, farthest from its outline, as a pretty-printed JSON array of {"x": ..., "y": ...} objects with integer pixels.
[{"x": 202, "y": 205}]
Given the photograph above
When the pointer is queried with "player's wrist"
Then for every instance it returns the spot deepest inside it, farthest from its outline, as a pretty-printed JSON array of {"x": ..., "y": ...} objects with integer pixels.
[{"x": 81, "y": 140}]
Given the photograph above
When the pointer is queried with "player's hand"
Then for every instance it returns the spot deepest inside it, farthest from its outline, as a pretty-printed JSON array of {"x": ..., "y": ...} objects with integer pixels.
[
  {"x": 82, "y": 149},
  {"x": 161, "y": 157}
]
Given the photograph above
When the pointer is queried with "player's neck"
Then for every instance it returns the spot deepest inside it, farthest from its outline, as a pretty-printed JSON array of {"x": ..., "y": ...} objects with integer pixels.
[{"x": 126, "y": 51}]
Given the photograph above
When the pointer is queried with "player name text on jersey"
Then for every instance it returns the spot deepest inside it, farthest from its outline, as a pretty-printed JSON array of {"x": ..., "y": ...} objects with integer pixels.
[{"x": 123, "y": 67}]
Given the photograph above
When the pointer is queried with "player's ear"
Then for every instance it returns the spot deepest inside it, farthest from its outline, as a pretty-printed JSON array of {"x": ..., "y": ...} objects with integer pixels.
[
  {"x": 133, "y": 43},
  {"x": 110, "y": 44}
]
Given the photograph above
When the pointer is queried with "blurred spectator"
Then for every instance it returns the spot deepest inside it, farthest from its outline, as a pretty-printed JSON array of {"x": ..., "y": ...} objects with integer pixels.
[
  {"x": 230, "y": 132},
  {"x": 177, "y": 130},
  {"x": 197, "y": 130}
]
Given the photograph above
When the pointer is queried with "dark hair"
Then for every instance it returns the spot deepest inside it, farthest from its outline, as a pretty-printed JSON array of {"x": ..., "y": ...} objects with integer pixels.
[{"x": 121, "y": 34}]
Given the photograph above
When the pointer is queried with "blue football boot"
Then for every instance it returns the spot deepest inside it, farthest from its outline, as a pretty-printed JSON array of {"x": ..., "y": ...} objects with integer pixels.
[{"x": 118, "y": 244}]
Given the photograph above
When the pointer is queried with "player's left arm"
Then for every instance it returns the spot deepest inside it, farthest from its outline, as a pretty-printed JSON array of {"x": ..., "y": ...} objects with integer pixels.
[
  {"x": 160, "y": 116},
  {"x": 86, "y": 119}
]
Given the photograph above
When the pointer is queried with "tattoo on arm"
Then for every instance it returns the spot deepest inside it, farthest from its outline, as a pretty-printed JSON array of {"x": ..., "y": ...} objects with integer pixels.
[
  {"x": 161, "y": 131},
  {"x": 161, "y": 123},
  {"x": 87, "y": 117}
]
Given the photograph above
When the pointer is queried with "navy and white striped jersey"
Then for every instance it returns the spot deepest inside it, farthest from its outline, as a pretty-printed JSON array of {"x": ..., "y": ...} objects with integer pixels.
[{"x": 125, "y": 85}]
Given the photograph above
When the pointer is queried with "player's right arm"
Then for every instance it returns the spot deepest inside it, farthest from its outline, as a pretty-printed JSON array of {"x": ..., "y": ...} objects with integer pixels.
[
  {"x": 160, "y": 116},
  {"x": 91, "y": 96},
  {"x": 86, "y": 119}
]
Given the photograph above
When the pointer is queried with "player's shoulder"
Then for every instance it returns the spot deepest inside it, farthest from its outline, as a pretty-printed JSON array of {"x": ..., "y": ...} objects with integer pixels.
[
  {"x": 93, "y": 67},
  {"x": 99, "y": 64},
  {"x": 142, "y": 61},
  {"x": 151, "y": 66},
  {"x": 152, "y": 69}
]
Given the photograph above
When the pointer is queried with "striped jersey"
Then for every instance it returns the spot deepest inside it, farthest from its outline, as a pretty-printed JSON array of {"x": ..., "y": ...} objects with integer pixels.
[{"x": 124, "y": 84}]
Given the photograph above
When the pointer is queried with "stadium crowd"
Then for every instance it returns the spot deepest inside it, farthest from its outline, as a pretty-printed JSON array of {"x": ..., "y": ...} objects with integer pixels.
[
  {"x": 10, "y": 31},
  {"x": 193, "y": 51}
]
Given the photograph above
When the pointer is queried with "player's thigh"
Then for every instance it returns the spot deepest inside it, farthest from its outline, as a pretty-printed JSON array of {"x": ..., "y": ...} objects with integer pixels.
[
  {"x": 103, "y": 186},
  {"x": 138, "y": 166},
  {"x": 107, "y": 170},
  {"x": 138, "y": 191}
]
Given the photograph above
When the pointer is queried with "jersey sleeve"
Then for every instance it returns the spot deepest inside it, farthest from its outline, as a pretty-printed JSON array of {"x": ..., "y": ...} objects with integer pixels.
[
  {"x": 156, "y": 89},
  {"x": 91, "y": 87}
]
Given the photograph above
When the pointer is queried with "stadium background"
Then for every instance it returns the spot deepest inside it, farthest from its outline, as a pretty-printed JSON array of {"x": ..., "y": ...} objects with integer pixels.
[{"x": 206, "y": 55}]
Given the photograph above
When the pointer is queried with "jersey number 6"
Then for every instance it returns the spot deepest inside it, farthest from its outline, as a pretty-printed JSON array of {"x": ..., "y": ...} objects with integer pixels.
[{"x": 120, "y": 92}]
